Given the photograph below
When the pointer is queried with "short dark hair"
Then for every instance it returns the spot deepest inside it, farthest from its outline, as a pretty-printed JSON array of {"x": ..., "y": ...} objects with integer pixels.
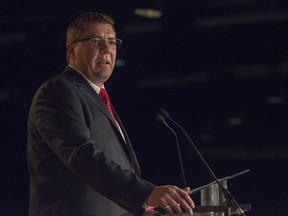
[{"x": 76, "y": 27}]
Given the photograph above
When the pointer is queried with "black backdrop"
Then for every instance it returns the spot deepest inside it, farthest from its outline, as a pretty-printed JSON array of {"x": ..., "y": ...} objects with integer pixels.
[{"x": 220, "y": 70}]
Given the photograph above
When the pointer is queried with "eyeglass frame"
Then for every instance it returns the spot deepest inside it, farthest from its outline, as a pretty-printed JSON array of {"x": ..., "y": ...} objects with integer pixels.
[{"x": 100, "y": 42}]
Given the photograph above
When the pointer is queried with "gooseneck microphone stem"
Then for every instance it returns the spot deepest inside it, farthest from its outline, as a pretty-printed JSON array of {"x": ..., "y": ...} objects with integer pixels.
[
  {"x": 161, "y": 120},
  {"x": 229, "y": 198}
]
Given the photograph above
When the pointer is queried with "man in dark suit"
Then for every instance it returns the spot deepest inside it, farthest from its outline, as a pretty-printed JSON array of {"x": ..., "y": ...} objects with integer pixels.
[{"x": 80, "y": 158}]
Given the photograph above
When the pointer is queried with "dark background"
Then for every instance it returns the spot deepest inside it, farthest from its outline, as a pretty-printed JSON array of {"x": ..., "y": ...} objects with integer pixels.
[{"x": 219, "y": 67}]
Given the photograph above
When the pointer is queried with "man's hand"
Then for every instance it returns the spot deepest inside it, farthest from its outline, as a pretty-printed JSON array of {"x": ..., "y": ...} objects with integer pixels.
[{"x": 171, "y": 199}]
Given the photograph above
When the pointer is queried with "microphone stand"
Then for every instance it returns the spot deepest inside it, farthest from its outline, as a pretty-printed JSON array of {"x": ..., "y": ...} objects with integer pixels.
[
  {"x": 161, "y": 120},
  {"x": 229, "y": 198}
]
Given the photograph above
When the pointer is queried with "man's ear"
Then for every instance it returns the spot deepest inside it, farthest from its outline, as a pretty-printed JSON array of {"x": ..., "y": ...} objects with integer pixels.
[{"x": 70, "y": 51}]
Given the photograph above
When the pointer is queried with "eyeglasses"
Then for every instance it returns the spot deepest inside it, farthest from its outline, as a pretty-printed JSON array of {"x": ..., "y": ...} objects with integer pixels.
[{"x": 99, "y": 42}]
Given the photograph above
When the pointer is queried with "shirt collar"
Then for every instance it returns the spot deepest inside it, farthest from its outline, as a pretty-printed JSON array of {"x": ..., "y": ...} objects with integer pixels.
[{"x": 95, "y": 87}]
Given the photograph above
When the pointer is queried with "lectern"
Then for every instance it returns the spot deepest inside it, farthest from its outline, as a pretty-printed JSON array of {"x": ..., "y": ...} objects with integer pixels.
[{"x": 213, "y": 201}]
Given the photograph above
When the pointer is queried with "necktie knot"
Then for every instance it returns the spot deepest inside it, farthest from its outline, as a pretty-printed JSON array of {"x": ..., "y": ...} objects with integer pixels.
[{"x": 104, "y": 96}]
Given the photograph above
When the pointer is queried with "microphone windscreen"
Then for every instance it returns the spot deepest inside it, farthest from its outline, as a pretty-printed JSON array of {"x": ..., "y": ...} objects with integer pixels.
[
  {"x": 164, "y": 113},
  {"x": 160, "y": 119}
]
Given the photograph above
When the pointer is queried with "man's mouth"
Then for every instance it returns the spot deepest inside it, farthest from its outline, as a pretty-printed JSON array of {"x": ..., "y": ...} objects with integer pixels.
[{"x": 104, "y": 62}]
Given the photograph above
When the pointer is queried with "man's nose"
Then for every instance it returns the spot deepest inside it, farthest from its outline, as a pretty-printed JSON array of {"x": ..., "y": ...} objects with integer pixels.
[{"x": 105, "y": 48}]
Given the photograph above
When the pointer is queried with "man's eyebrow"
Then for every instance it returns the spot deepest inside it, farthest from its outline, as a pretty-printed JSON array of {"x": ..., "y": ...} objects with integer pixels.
[{"x": 112, "y": 37}]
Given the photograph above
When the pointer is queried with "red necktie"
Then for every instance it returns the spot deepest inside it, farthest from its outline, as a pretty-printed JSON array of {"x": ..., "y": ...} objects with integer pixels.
[{"x": 104, "y": 96}]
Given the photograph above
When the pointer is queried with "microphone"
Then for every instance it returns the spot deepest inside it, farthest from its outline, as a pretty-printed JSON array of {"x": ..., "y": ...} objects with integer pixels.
[
  {"x": 162, "y": 121},
  {"x": 229, "y": 198}
]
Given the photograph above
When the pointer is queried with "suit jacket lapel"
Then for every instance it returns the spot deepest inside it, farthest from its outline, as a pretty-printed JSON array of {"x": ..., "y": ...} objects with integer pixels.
[
  {"x": 80, "y": 81},
  {"x": 128, "y": 144}
]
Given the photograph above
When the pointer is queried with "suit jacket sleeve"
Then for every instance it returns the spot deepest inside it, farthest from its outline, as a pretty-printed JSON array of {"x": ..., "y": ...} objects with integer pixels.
[{"x": 63, "y": 118}]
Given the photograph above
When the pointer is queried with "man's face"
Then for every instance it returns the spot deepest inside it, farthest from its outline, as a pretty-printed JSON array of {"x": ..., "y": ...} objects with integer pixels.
[{"x": 95, "y": 62}]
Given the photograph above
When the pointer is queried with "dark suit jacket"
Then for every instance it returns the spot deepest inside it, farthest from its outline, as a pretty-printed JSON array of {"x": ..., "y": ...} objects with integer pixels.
[{"x": 78, "y": 161}]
